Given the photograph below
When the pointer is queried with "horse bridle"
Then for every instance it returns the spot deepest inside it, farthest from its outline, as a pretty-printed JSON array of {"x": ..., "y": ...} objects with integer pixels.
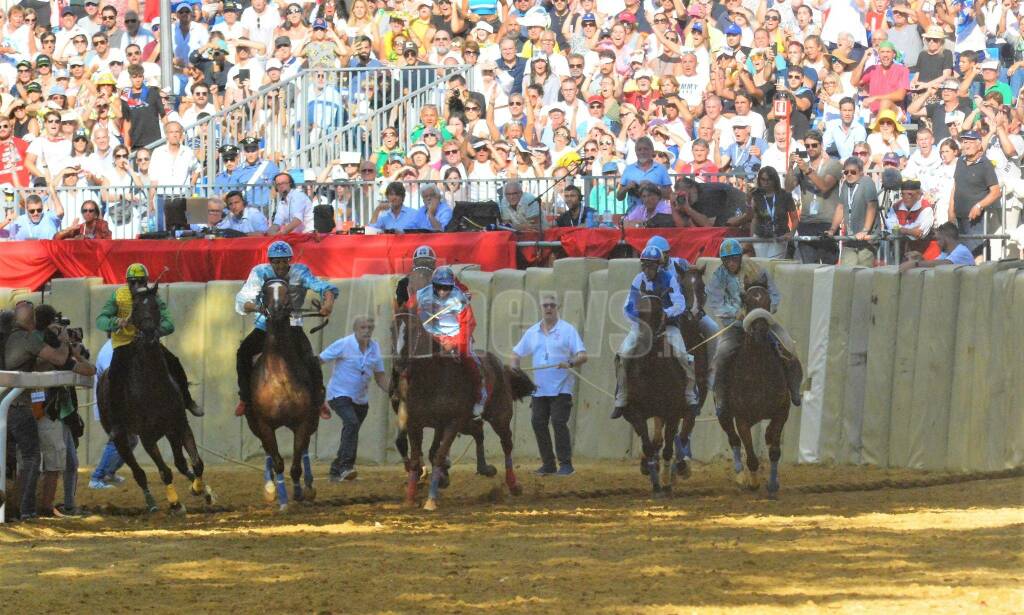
[{"x": 315, "y": 303}]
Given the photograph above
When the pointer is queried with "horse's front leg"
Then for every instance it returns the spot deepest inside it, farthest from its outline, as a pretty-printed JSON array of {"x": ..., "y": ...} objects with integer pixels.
[
  {"x": 748, "y": 478},
  {"x": 439, "y": 462},
  {"x": 302, "y": 467},
  {"x": 413, "y": 465},
  {"x": 650, "y": 452}
]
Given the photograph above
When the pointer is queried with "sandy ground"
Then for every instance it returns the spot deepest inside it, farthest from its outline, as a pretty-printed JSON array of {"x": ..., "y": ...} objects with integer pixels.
[{"x": 592, "y": 543}]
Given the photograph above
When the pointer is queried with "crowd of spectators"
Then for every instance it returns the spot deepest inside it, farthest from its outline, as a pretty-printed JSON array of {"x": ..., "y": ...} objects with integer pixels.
[{"x": 763, "y": 116}]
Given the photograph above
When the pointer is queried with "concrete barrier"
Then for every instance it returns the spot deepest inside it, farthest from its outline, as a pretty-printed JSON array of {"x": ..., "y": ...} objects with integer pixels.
[{"x": 882, "y": 317}]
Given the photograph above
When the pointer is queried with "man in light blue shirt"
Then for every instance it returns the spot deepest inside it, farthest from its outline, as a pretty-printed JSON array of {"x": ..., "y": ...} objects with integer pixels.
[
  {"x": 555, "y": 347},
  {"x": 36, "y": 223},
  {"x": 356, "y": 359},
  {"x": 242, "y": 218},
  {"x": 644, "y": 169},
  {"x": 435, "y": 213},
  {"x": 953, "y": 252},
  {"x": 744, "y": 154},
  {"x": 393, "y": 215},
  {"x": 844, "y": 132}
]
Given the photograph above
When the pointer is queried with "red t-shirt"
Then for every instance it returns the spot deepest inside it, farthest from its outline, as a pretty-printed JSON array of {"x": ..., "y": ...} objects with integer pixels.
[
  {"x": 12, "y": 162},
  {"x": 703, "y": 173},
  {"x": 882, "y": 81}
]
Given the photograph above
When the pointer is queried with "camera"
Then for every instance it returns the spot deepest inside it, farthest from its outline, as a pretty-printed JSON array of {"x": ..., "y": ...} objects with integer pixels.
[{"x": 802, "y": 154}]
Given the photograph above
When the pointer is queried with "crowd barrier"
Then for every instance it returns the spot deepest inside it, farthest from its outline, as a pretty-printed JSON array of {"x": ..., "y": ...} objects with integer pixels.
[{"x": 914, "y": 370}]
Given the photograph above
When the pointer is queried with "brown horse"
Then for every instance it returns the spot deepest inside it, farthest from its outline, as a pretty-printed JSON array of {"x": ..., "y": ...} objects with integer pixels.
[
  {"x": 756, "y": 390},
  {"x": 656, "y": 385},
  {"x": 434, "y": 391},
  {"x": 283, "y": 396}
]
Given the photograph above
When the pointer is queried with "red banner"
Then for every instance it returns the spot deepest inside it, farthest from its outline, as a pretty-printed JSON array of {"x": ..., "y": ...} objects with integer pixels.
[
  {"x": 689, "y": 243},
  {"x": 29, "y": 264}
]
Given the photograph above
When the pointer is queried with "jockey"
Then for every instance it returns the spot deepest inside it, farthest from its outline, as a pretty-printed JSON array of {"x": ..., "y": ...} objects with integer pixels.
[
  {"x": 674, "y": 264},
  {"x": 115, "y": 318},
  {"x": 300, "y": 280},
  {"x": 446, "y": 314},
  {"x": 423, "y": 257},
  {"x": 725, "y": 301},
  {"x": 659, "y": 281}
]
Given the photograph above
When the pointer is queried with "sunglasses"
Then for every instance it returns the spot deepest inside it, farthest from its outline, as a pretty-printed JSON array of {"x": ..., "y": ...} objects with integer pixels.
[
  {"x": 449, "y": 152},
  {"x": 35, "y": 211},
  {"x": 4, "y": 126},
  {"x": 773, "y": 18},
  {"x": 660, "y": 21},
  {"x": 861, "y": 153},
  {"x": 596, "y": 106},
  {"x": 850, "y": 171},
  {"x": 364, "y": 171},
  {"x": 90, "y": 211},
  {"x": 474, "y": 108},
  {"x": 24, "y": 70},
  {"x": 515, "y": 104},
  {"x": 607, "y": 142},
  {"x": 131, "y": 21},
  {"x": 137, "y": 159},
  {"x": 120, "y": 155},
  {"x": 470, "y": 52},
  {"x": 294, "y": 11},
  {"x": 53, "y": 121}
]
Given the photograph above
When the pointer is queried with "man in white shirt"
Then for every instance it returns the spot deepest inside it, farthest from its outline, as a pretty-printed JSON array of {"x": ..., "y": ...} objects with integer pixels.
[
  {"x": 555, "y": 347},
  {"x": 173, "y": 167},
  {"x": 294, "y": 209},
  {"x": 48, "y": 153},
  {"x": 924, "y": 162},
  {"x": 261, "y": 21},
  {"x": 356, "y": 359}
]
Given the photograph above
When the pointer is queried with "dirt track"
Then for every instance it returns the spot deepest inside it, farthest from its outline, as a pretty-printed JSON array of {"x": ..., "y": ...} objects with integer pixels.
[{"x": 589, "y": 543}]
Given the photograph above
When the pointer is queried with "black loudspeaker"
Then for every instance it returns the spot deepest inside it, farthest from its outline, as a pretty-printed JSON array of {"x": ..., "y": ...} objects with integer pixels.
[
  {"x": 323, "y": 218},
  {"x": 473, "y": 216},
  {"x": 175, "y": 217}
]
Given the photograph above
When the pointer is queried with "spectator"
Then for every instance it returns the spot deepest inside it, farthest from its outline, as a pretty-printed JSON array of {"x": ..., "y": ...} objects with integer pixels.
[
  {"x": 91, "y": 226},
  {"x": 142, "y": 111},
  {"x": 36, "y": 223},
  {"x": 954, "y": 252},
  {"x": 773, "y": 214},
  {"x": 49, "y": 153},
  {"x": 857, "y": 214},
  {"x": 703, "y": 169},
  {"x": 887, "y": 137},
  {"x": 842, "y": 133},
  {"x": 911, "y": 216},
  {"x": 652, "y": 212},
  {"x": 392, "y": 214},
  {"x": 744, "y": 154},
  {"x": 886, "y": 81},
  {"x": 944, "y": 114},
  {"x": 294, "y": 212},
  {"x": 519, "y": 209},
  {"x": 174, "y": 169},
  {"x": 555, "y": 348},
  {"x": 645, "y": 169},
  {"x": 241, "y": 217},
  {"x": 356, "y": 359},
  {"x": 435, "y": 214},
  {"x": 576, "y": 214},
  {"x": 975, "y": 189},
  {"x": 818, "y": 177}
]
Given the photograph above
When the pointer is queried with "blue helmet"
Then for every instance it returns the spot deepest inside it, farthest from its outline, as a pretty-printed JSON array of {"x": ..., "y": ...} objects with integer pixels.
[
  {"x": 443, "y": 276},
  {"x": 651, "y": 253},
  {"x": 659, "y": 242},
  {"x": 279, "y": 249},
  {"x": 730, "y": 247}
]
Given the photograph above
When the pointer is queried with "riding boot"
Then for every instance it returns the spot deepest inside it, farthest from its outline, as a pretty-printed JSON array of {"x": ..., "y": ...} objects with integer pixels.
[
  {"x": 794, "y": 371},
  {"x": 692, "y": 399},
  {"x": 620, "y": 388},
  {"x": 248, "y": 349},
  {"x": 178, "y": 373}
]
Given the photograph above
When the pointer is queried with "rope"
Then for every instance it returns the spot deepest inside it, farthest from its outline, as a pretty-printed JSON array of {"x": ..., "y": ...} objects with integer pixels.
[
  {"x": 226, "y": 458},
  {"x": 720, "y": 332},
  {"x": 612, "y": 396}
]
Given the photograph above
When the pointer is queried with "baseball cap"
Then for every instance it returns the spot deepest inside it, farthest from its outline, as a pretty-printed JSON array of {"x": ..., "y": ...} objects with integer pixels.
[
  {"x": 319, "y": 24},
  {"x": 228, "y": 151},
  {"x": 733, "y": 30},
  {"x": 80, "y": 133},
  {"x": 610, "y": 167},
  {"x": 697, "y": 26},
  {"x": 250, "y": 142},
  {"x": 740, "y": 121},
  {"x": 533, "y": 19},
  {"x": 626, "y": 17},
  {"x": 589, "y": 17},
  {"x": 33, "y": 86},
  {"x": 42, "y": 60},
  {"x": 419, "y": 148},
  {"x": 636, "y": 56},
  {"x": 887, "y": 45},
  {"x": 950, "y": 84},
  {"x": 76, "y": 61},
  {"x": 555, "y": 106},
  {"x": 61, "y": 73},
  {"x": 990, "y": 65},
  {"x": 233, "y": 6},
  {"x": 595, "y": 99},
  {"x": 282, "y": 41},
  {"x": 56, "y": 90},
  {"x": 410, "y": 46},
  {"x": 644, "y": 73},
  {"x": 483, "y": 25},
  {"x": 970, "y": 135},
  {"x": 891, "y": 158},
  {"x": 273, "y": 64}
]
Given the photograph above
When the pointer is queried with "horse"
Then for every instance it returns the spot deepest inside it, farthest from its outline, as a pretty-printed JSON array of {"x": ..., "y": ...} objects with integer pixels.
[
  {"x": 151, "y": 405},
  {"x": 656, "y": 385},
  {"x": 417, "y": 278},
  {"x": 435, "y": 392},
  {"x": 756, "y": 390},
  {"x": 283, "y": 396}
]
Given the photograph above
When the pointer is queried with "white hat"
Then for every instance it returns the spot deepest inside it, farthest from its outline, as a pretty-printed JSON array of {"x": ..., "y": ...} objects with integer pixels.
[
  {"x": 607, "y": 60},
  {"x": 273, "y": 63},
  {"x": 483, "y": 25},
  {"x": 76, "y": 61},
  {"x": 556, "y": 106},
  {"x": 534, "y": 18},
  {"x": 644, "y": 73},
  {"x": 740, "y": 121},
  {"x": 115, "y": 55},
  {"x": 990, "y": 65},
  {"x": 419, "y": 148}
]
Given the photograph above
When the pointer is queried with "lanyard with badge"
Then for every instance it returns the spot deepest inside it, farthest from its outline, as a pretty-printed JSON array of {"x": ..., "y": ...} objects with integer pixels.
[
  {"x": 850, "y": 196},
  {"x": 771, "y": 210}
]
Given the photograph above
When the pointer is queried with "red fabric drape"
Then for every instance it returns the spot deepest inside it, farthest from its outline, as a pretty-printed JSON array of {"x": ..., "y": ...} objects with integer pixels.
[
  {"x": 29, "y": 264},
  {"x": 689, "y": 243}
]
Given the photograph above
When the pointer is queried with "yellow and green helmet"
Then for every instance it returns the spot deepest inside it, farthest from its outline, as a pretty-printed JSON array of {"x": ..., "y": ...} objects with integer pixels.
[{"x": 137, "y": 272}]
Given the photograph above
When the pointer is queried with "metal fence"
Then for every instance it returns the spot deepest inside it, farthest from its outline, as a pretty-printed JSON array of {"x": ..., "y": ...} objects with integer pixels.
[{"x": 307, "y": 120}]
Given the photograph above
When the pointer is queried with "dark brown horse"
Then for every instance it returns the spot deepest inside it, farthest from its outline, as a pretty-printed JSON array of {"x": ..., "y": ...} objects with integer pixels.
[
  {"x": 435, "y": 391},
  {"x": 756, "y": 390},
  {"x": 283, "y": 396},
  {"x": 656, "y": 385},
  {"x": 150, "y": 404}
]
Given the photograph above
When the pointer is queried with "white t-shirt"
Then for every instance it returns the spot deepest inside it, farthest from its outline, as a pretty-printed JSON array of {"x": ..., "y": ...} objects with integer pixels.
[
  {"x": 296, "y": 206},
  {"x": 691, "y": 89},
  {"x": 353, "y": 368},
  {"x": 172, "y": 169},
  {"x": 558, "y": 345},
  {"x": 51, "y": 155}
]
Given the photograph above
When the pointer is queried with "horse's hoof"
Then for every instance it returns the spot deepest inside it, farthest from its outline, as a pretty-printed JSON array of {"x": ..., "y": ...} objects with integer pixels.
[
  {"x": 773, "y": 495},
  {"x": 754, "y": 482},
  {"x": 269, "y": 492},
  {"x": 210, "y": 497},
  {"x": 741, "y": 478},
  {"x": 177, "y": 509},
  {"x": 659, "y": 494},
  {"x": 409, "y": 503},
  {"x": 310, "y": 493},
  {"x": 430, "y": 505},
  {"x": 516, "y": 489},
  {"x": 487, "y": 470},
  {"x": 643, "y": 468},
  {"x": 282, "y": 507},
  {"x": 152, "y": 508},
  {"x": 444, "y": 481},
  {"x": 683, "y": 470}
]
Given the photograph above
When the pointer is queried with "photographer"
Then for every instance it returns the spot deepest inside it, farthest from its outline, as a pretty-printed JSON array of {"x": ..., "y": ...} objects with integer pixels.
[
  {"x": 23, "y": 348},
  {"x": 60, "y": 427}
]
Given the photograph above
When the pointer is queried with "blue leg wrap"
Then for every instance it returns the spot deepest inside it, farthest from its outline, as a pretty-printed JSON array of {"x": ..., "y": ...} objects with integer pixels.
[
  {"x": 282, "y": 491},
  {"x": 773, "y": 478},
  {"x": 652, "y": 467},
  {"x": 435, "y": 481},
  {"x": 508, "y": 462},
  {"x": 268, "y": 470},
  {"x": 307, "y": 470},
  {"x": 737, "y": 460}
]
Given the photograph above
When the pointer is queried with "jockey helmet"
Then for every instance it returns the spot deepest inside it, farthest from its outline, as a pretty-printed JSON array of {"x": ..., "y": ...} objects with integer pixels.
[
  {"x": 424, "y": 252},
  {"x": 651, "y": 253},
  {"x": 137, "y": 272},
  {"x": 443, "y": 277},
  {"x": 730, "y": 247},
  {"x": 658, "y": 242},
  {"x": 279, "y": 249}
]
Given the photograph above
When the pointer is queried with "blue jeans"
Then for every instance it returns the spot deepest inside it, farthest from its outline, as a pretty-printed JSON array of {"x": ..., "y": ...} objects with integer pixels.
[
  {"x": 21, "y": 426},
  {"x": 556, "y": 410},
  {"x": 110, "y": 460},
  {"x": 70, "y": 469},
  {"x": 352, "y": 416}
]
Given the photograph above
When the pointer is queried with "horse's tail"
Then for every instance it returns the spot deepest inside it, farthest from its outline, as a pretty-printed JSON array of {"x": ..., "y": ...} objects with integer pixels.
[{"x": 520, "y": 385}]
